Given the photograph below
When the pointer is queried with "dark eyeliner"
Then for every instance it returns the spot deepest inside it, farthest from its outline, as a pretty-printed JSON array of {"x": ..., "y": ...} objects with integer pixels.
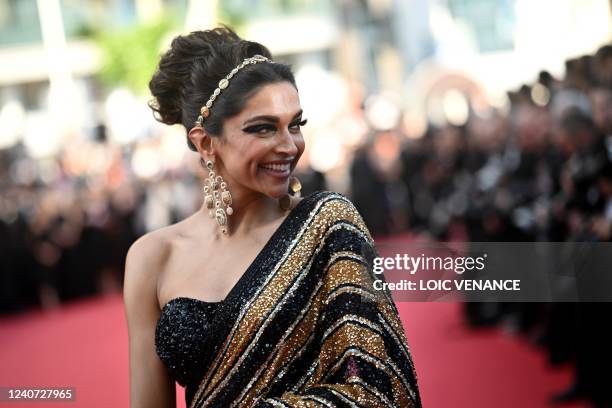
[
  {"x": 302, "y": 123},
  {"x": 257, "y": 128}
]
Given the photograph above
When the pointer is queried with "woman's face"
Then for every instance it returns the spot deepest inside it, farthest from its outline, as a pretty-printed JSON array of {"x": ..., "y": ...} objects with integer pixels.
[{"x": 262, "y": 145}]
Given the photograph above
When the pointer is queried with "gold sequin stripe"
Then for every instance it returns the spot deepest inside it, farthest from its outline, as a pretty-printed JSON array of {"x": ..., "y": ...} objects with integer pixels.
[
  {"x": 403, "y": 344},
  {"x": 307, "y": 307},
  {"x": 381, "y": 354},
  {"x": 390, "y": 368},
  {"x": 382, "y": 365},
  {"x": 354, "y": 395},
  {"x": 344, "y": 339},
  {"x": 293, "y": 401},
  {"x": 212, "y": 372},
  {"x": 393, "y": 366},
  {"x": 298, "y": 354},
  {"x": 321, "y": 245},
  {"x": 320, "y": 400},
  {"x": 284, "y": 295},
  {"x": 387, "y": 294},
  {"x": 282, "y": 342},
  {"x": 381, "y": 317},
  {"x": 405, "y": 347},
  {"x": 276, "y": 403},
  {"x": 366, "y": 322},
  {"x": 283, "y": 298},
  {"x": 351, "y": 318},
  {"x": 333, "y": 391},
  {"x": 332, "y": 260},
  {"x": 372, "y": 390},
  {"x": 355, "y": 290},
  {"x": 380, "y": 359},
  {"x": 386, "y": 318},
  {"x": 373, "y": 297},
  {"x": 346, "y": 321}
]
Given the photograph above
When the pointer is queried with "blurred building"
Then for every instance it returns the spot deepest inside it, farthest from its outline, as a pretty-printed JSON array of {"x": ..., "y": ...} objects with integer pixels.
[
  {"x": 483, "y": 49},
  {"x": 49, "y": 67},
  {"x": 434, "y": 55}
]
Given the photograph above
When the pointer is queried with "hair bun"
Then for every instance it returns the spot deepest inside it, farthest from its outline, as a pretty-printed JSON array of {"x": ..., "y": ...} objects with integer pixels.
[
  {"x": 174, "y": 78},
  {"x": 189, "y": 72}
]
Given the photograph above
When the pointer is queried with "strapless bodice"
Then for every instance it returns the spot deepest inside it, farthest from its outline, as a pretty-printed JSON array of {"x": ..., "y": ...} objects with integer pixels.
[{"x": 180, "y": 337}]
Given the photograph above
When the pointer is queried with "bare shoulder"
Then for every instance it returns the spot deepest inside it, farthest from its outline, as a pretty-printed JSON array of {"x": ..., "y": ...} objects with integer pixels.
[
  {"x": 148, "y": 250},
  {"x": 144, "y": 262}
]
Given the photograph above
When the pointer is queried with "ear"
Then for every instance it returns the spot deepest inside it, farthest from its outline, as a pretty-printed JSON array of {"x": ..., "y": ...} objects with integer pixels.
[{"x": 202, "y": 141}]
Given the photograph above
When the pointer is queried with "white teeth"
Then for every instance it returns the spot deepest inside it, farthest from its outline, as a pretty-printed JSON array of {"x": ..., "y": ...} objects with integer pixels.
[{"x": 277, "y": 167}]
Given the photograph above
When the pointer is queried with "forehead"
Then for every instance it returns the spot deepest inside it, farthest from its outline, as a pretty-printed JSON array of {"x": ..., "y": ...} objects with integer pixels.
[{"x": 277, "y": 99}]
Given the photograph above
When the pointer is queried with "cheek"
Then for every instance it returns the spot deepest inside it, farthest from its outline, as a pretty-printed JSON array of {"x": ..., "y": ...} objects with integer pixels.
[
  {"x": 300, "y": 143},
  {"x": 251, "y": 154}
]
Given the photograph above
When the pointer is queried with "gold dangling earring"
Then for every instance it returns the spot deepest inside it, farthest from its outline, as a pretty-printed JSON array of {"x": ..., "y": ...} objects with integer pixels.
[
  {"x": 217, "y": 199},
  {"x": 295, "y": 186}
]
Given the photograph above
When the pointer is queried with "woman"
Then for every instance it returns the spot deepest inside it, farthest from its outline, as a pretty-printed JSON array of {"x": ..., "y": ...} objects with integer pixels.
[{"x": 270, "y": 302}]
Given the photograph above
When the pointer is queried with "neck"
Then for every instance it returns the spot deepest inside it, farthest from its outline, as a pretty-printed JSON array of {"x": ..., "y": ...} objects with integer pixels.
[{"x": 251, "y": 211}]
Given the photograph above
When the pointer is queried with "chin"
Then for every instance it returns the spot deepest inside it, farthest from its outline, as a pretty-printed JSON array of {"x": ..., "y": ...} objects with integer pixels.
[{"x": 279, "y": 192}]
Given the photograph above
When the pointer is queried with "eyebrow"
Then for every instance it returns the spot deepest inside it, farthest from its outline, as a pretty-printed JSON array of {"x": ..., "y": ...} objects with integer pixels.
[{"x": 269, "y": 118}]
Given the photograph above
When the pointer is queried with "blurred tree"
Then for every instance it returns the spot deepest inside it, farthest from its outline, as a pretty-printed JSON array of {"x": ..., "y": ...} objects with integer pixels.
[
  {"x": 233, "y": 13},
  {"x": 130, "y": 56}
]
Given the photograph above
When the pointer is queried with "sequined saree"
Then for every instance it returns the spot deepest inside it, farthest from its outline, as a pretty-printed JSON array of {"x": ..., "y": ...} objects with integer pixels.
[{"x": 304, "y": 327}]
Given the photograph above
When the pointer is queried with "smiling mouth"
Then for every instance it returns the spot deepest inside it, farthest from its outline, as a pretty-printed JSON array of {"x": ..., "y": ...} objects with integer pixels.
[
  {"x": 281, "y": 168},
  {"x": 277, "y": 169}
]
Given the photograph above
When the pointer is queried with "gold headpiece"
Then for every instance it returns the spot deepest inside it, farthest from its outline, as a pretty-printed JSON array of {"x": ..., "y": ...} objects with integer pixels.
[{"x": 223, "y": 83}]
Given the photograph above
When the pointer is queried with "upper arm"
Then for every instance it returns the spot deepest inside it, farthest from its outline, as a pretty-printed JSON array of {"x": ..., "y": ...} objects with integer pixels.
[{"x": 150, "y": 384}]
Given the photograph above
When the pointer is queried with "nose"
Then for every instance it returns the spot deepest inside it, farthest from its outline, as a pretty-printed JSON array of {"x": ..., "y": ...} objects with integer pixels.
[{"x": 287, "y": 144}]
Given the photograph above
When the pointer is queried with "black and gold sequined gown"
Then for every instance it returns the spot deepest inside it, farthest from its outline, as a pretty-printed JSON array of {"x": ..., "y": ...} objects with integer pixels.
[{"x": 303, "y": 326}]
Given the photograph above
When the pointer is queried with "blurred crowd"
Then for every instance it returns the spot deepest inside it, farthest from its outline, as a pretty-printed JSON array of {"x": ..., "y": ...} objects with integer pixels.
[
  {"x": 63, "y": 236},
  {"x": 539, "y": 171}
]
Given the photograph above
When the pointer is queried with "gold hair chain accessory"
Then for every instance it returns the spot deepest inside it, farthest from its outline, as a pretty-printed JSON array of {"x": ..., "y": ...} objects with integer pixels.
[
  {"x": 223, "y": 83},
  {"x": 217, "y": 198}
]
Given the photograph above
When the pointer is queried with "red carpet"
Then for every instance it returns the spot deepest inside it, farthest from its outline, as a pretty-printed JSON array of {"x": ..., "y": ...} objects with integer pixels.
[
  {"x": 458, "y": 367},
  {"x": 84, "y": 345}
]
